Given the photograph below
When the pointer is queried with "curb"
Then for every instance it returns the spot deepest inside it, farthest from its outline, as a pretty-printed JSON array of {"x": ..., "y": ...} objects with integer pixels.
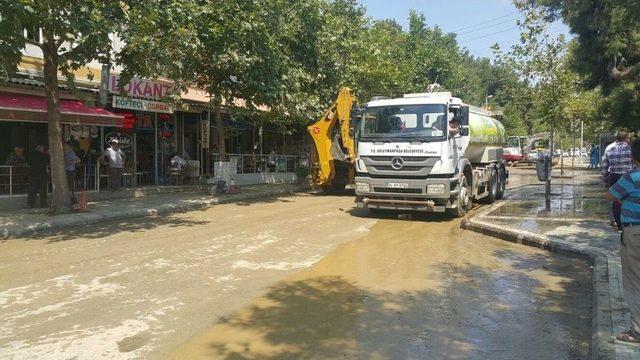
[
  {"x": 92, "y": 218},
  {"x": 606, "y": 308}
]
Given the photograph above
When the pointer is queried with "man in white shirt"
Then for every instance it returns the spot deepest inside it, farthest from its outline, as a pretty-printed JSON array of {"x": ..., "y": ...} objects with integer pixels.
[{"x": 115, "y": 158}]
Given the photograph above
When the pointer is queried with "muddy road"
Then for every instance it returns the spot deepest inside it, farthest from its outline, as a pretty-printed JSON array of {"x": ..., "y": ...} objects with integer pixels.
[{"x": 299, "y": 277}]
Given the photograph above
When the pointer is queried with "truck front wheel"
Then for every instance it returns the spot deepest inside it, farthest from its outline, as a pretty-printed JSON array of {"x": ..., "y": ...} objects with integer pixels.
[{"x": 463, "y": 201}]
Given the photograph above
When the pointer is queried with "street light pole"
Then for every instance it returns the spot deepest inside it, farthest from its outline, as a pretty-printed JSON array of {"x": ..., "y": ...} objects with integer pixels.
[{"x": 486, "y": 101}]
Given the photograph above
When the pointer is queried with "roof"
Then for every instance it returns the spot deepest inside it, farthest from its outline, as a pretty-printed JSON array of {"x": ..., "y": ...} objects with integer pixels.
[
  {"x": 409, "y": 101},
  {"x": 61, "y": 85}
]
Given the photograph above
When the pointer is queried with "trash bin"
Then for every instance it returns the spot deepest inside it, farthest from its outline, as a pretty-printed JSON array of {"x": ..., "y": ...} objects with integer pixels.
[{"x": 543, "y": 166}]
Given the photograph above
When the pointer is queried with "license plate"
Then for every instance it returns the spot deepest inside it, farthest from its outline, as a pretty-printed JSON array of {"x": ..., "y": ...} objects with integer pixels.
[{"x": 398, "y": 185}]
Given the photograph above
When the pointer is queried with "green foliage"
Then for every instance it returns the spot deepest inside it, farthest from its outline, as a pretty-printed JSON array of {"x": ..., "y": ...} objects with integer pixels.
[
  {"x": 553, "y": 97},
  {"x": 607, "y": 52},
  {"x": 290, "y": 55}
]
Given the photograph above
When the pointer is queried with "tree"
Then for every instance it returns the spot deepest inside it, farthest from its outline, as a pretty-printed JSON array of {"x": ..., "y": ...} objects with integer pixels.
[
  {"x": 76, "y": 32},
  {"x": 608, "y": 49},
  {"x": 240, "y": 55},
  {"x": 73, "y": 33},
  {"x": 540, "y": 61}
]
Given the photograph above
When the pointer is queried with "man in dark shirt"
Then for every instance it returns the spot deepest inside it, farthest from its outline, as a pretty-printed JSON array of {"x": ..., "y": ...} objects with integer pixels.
[
  {"x": 38, "y": 177},
  {"x": 615, "y": 163}
]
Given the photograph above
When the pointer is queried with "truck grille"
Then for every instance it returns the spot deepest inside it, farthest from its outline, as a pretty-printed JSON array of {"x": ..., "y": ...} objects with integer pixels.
[
  {"x": 413, "y": 165},
  {"x": 397, "y": 191},
  {"x": 404, "y": 168},
  {"x": 405, "y": 158}
]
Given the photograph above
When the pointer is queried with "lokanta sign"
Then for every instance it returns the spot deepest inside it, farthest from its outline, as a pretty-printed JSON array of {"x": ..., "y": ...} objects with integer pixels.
[
  {"x": 150, "y": 89},
  {"x": 121, "y": 102}
]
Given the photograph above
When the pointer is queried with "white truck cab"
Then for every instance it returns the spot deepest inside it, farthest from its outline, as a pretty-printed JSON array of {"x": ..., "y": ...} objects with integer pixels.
[{"x": 428, "y": 152}]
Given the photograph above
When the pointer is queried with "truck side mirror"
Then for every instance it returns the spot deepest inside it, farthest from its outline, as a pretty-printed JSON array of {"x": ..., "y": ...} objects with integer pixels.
[
  {"x": 464, "y": 131},
  {"x": 463, "y": 115}
]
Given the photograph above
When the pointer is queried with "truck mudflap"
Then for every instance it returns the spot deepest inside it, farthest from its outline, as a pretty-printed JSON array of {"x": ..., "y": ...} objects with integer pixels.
[{"x": 400, "y": 204}]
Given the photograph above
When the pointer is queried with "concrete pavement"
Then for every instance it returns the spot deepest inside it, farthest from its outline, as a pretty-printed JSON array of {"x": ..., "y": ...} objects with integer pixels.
[{"x": 577, "y": 225}]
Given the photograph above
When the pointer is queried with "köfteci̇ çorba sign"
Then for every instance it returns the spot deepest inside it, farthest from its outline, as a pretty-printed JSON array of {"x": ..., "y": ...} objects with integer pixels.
[{"x": 121, "y": 102}]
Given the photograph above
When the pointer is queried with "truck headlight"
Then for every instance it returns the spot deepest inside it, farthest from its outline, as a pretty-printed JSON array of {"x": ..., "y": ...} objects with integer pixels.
[
  {"x": 362, "y": 187},
  {"x": 360, "y": 166},
  {"x": 435, "y": 189}
]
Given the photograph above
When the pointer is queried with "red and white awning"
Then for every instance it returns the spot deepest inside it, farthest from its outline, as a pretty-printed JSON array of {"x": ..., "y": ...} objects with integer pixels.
[{"x": 32, "y": 108}]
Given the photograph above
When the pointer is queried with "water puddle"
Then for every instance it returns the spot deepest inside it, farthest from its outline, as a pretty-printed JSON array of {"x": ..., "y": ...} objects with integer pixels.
[{"x": 415, "y": 289}]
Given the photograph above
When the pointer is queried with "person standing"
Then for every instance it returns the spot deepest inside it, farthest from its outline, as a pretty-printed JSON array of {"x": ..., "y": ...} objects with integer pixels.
[
  {"x": 16, "y": 158},
  {"x": 615, "y": 163},
  {"x": 38, "y": 177},
  {"x": 70, "y": 161},
  {"x": 115, "y": 158},
  {"x": 627, "y": 191},
  {"x": 594, "y": 156}
]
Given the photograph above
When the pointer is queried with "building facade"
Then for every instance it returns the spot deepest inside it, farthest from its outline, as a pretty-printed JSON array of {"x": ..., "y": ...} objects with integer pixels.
[{"x": 149, "y": 130}]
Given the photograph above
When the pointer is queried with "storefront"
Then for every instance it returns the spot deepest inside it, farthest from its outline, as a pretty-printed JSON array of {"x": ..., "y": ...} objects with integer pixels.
[
  {"x": 158, "y": 130},
  {"x": 23, "y": 125},
  {"x": 151, "y": 126}
]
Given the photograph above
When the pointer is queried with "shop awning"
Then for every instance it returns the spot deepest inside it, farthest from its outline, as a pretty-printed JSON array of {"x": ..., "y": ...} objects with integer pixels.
[{"x": 31, "y": 108}]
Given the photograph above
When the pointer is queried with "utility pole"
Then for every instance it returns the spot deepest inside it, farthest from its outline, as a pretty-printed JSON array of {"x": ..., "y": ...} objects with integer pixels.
[
  {"x": 581, "y": 139},
  {"x": 547, "y": 191},
  {"x": 105, "y": 72},
  {"x": 104, "y": 84}
]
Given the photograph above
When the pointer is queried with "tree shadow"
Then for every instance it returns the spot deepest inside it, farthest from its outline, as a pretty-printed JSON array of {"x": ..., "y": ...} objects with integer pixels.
[
  {"x": 107, "y": 228},
  {"x": 265, "y": 200},
  {"x": 475, "y": 314},
  {"x": 410, "y": 216}
]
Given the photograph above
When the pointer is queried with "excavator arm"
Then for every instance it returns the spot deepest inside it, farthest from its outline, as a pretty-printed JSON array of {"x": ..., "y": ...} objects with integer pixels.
[{"x": 326, "y": 157}]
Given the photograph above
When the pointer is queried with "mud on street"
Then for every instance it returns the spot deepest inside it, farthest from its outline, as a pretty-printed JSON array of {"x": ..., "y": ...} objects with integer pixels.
[{"x": 298, "y": 277}]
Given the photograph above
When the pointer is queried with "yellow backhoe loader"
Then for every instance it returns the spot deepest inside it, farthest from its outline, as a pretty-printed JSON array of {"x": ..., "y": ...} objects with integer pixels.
[{"x": 334, "y": 153}]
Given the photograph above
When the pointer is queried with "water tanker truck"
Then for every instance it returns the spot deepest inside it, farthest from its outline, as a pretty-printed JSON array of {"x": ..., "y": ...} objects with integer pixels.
[{"x": 428, "y": 152}]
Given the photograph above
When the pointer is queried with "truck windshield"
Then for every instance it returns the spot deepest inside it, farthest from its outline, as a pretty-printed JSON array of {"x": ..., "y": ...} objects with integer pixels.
[{"x": 421, "y": 122}]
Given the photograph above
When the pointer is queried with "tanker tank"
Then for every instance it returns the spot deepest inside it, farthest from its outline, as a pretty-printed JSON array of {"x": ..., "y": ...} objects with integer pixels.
[{"x": 487, "y": 138}]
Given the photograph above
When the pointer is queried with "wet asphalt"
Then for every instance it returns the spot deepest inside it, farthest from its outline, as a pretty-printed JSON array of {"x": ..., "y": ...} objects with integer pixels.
[{"x": 304, "y": 277}]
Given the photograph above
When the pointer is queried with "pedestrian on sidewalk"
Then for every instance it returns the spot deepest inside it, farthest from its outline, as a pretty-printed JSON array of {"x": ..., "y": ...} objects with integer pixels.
[
  {"x": 16, "y": 158},
  {"x": 594, "y": 156},
  {"x": 615, "y": 163},
  {"x": 70, "y": 161},
  {"x": 627, "y": 192},
  {"x": 115, "y": 158},
  {"x": 38, "y": 179}
]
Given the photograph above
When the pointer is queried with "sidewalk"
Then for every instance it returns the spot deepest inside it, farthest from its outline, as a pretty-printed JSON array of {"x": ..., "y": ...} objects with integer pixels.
[
  {"x": 23, "y": 223},
  {"x": 578, "y": 225}
]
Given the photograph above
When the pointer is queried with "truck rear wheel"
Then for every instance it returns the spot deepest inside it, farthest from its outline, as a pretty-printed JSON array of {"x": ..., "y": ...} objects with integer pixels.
[
  {"x": 492, "y": 187},
  {"x": 464, "y": 202},
  {"x": 502, "y": 183}
]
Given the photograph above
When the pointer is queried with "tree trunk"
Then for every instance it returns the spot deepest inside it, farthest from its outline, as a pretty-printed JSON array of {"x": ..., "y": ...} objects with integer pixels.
[
  {"x": 220, "y": 125},
  {"x": 60, "y": 200}
]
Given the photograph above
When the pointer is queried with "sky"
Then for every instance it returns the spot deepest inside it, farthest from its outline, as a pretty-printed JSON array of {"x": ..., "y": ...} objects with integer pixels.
[{"x": 478, "y": 23}]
